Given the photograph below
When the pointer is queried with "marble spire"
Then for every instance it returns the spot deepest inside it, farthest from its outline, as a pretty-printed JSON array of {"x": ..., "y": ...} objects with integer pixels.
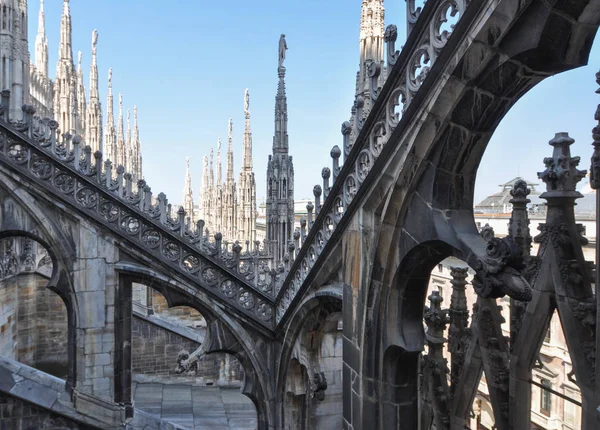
[
  {"x": 219, "y": 175},
  {"x": 280, "y": 138},
  {"x": 81, "y": 98},
  {"x": 65, "y": 51},
  {"x": 211, "y": 181},
  {"x": 41, "y": 43},
  {"x": 246, "y": 187},
  {"x": 371, "y": 41},
  {"x": 110, "y": 139},
  {"x": 121, "y": 149},
  {"x": 280, "y": 173},
  {"x": 247, "y": 144},
  {"x": 229, "y": 174},
  {"x": 188, "y": 193},
  {"x": 137, "y": 147},
  {"x": 65, "y": 84},
  {"x": 94, "y": 110}
]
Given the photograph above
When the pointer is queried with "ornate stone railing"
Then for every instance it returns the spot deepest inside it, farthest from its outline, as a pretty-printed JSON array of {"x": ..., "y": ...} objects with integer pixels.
[
  {"x": 429, "y": 29},
  {"x": 237, "y": 276}
]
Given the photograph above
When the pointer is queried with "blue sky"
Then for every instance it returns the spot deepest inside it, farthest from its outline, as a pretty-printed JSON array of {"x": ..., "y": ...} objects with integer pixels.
[{"x": 186, "y": 67}]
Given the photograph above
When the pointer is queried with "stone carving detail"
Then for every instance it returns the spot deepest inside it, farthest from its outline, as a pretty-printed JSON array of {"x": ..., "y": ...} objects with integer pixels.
[
  {"x": 434, "y": 380},
  {"x": 518, "y": 229},
  {"x": 498, "y": 273},
  {"x": 317, "y": 387},
  {"x": 186, "y": 363},
  {"x": 459, "y": 334}
]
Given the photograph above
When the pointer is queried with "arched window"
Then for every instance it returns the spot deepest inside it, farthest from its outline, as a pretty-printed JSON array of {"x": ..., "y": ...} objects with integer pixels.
[{"x": 4, "y": 17}]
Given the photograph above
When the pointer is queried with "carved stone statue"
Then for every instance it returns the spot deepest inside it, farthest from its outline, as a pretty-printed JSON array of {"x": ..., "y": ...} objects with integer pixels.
[
  {"x": 317, "y": 387},
  {"x": 246, "y": 101},
  {"x": 110, "y": 76},
  {"x": 282, "y": 48},
  {"x": 94, "y": 41}
]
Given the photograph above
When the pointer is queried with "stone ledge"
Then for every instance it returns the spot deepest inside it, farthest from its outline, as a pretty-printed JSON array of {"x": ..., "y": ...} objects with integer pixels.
[
  {"x": 48, "y": 392},
  {"x": 179, "y": 330}
]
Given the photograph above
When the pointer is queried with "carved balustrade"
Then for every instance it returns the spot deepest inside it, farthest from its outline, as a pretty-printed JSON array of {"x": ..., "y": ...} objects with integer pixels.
[
  {"x": 429, "y": 31},
  {"x": 72, "y": 174}
]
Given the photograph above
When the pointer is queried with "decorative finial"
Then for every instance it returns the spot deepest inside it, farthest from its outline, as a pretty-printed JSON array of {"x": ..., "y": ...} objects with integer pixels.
[
  {"x": 230, "y": 129},
  {"x": 110, "y": 77},
  {"x": 218, "y": 144},
  {"x": 561, "y": 175},
  {"x": 246, "y": 103},
  {"x": 187, "y": 163},
  {"x": 520, "y": 191},
  {"x": 282, "y": 48}
]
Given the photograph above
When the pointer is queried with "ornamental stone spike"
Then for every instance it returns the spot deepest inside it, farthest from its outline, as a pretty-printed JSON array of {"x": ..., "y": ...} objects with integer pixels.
[
  {"x": 391, "y": 35},
  {"x": 335, "y": 153},
  {"x": 458, "y": 333},
  {"x": 561, "y": 175},
  {"x": 325, "y": 174},
  {"x": 317, "y": 191},
  {"x": 518, "y": 226}
]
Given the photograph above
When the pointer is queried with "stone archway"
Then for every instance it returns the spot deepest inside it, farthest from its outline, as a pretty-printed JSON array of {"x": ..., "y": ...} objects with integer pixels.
[
  {"x": 224, "y": 335},
  {"x": 309, "y": 383}
]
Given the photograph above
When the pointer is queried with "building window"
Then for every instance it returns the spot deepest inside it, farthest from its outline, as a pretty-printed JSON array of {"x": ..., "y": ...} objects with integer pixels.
[
  {"x": 571, "y": 411},
  {"x": 548, "y": 333},
  {"x": 545, "y": 399},
  {"x": 440, "y": 267}
]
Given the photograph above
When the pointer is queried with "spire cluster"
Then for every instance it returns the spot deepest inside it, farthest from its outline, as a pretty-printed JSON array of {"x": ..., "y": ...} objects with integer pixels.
[
  {"x": 65, "y": 97},
  {"x": 229, "y": 207}
]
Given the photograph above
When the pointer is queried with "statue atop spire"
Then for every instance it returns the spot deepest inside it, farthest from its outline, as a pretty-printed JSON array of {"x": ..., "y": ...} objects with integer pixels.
[
  {"x": 247, "y": 145},
  {"x": 94, "y": 110},
  {"x": 282, "y": 48},
  {"x": 280, "y": 138},
  {"x": 94, "y": 43},
  {"x": 246, "y": 212}
]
